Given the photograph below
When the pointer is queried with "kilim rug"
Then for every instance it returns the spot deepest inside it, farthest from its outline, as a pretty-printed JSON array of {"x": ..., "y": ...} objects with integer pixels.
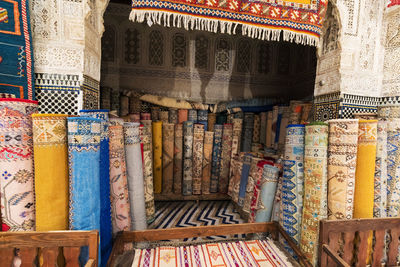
[
  {"x": 16, "y": 68},
  {"x": 51, "y": 161},
  {"x": 342, "y": 158},
  {"x": 393, "y": 161},
  {"x": 299, "y": 20},
  {"x": 157, "y": 155},
  {"x": 254, "y": 175},
  {"x": 212, "y": 117},
  {"x": 239, "y": 253},
  {"x": 225, "y": 158},
  {"x": 178, "y": 160},
  {"x": 315, "y": 187},
  {"x": 198, "y": 146},
  {"x": 168, "y": 157},
  {"x": 187, "y": 181},
  {"x": 380, "y": 180},
  {"x": 16, "y": 165},
  {"x": 135, "y": 176},
  {"x": 216, "y": 158},
  {"x": 207, "y": 159}
]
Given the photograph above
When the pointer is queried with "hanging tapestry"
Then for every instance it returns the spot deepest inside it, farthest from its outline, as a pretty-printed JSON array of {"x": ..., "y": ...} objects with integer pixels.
[
  {"x": 216, "y": 158},
  {"x": 182, "y": 115},
  {"x": 202, "y": 118},
  {"x": 168, "y": 158},
  {"x": 187, "y": 181},
  {"x": 207, "y": 159},
  {"x": 265, "y": 200},
  {"x": 365, "y": 169},
  {"x": 211, "y": 119},
  {"x": 16, "y": 165},
  {"x": 198, "y": 145},
  {"x": 380, "y": 180},
  {"x": 254, "y": 175},
  {"x": 146, "y": 140},
  {"x": 120, "y": 205},
  {"x": 135, "y": 176},
  {"x": 192, "y": 115},
  {"x": 342, "y": 158},
  {"x": 300, "y": 20},
  {"x": 247, "y": 136},
  {"x": 315, "y": 187},
  {"x": 393, "y": 166},
  {"x": 16, "y": 59},
  {"x": 178, "y": 160},
  {"x": 51, "y": 160},
  {"x": 244, "y": 177},
  {"x": 240, "y": 253},
  {"x": 226, "y": 152},
  {"x": 157, "y": 156},
  {"x": 173, "y": 116},
  {"x": 105, "y": 204},
  {"x": 293, "y": 181}
]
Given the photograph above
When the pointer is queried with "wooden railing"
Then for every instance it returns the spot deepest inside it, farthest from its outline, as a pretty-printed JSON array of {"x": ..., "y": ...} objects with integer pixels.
[
  {"x": 26, "y": 247},
  {"x": 359, "y": 242}
]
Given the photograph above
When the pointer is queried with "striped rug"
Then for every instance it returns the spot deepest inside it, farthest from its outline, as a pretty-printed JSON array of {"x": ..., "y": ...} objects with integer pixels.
[{"x": 190, "y": 213}]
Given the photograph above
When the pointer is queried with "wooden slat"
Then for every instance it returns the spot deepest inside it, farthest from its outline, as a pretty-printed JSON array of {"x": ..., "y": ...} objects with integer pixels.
[
  {"x": 379, "y": 247},
  {"x": 348, "y": 246},
  {"x": 27, "y": 256},
  {"x": 362, "y": 224},
  {"x": 393, "y": 246},
  {"x": 362, "y": 253},
  {"x": 117, "y": 249},
  {"x": 335, "y": 257},
  {"x": 334, "y": 245},
  {"x": 198, "y": 231},
  {"x": 323, "y": 239},
  {"x": 6, "y": 256},
  {"x": 49, "y": 255},
  {"x": 71, "y": 255},
  {"x": 93, "y": 247},
  {"x": 90, "y": 263}
]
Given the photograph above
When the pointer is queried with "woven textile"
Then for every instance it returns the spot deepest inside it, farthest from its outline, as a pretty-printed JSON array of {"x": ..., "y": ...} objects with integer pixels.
[
  {"x": 135, "y": 117},
  {"x": 234, "y": 182},
  {"x": 178, "y": 158},
  {"x": 380, "y": 179},
  {"x": 50, "y": 149},
  {"x": 276, "y": 208},
  {"x": 263, "y": 126},
  {"x": 145, "y": 131},
  {"x": 216, "y": 158},
  {"x": 247, "y": 136},
  {"x": 157, "y": 156},
  {"x": 187, "y": 181},
  {"x": 198, "y": 144},
  {"x": 135, "y": 104},
  {"x": 105, "y": 205},
  {"x": 207, "y": 159},
  {"x": 155, "y": 113},
  {"x": 145, "y": 116},
  {"x": 115, "y": 105},
  {"x": 295, "y": 109},
  {"x": 192, "y": 115},
  {"x": 105, "y": 97},
  {"x": 315, "y": 187},
  {"x": 300, "y": 21},
  {"x": 182, "y": 115},
  {"x": 135, "y": 175},
  {"x": 240, "y": 253},
  {"x": 237, "y": 135},
  {"x": 84, "y": 173},
  {"x": 293, "y": 181},
  {"x": 244, "y": 177},
  {"x": 120, "y": 205},
  {"x": 306, "y": 113},
  {"x": 393, "y": 161},
  {"x": 342, "y": 158},
  {"x": 173, "y": 116},
  {"x": 282, "y": 132},
  {"x": 265, "y": 199},
  {"x": 268, "y": 130},
  {"x": 256, "y": 128},
  {"x": 275, "y": 111},
  {"x": 211, "y": 119},
  {"x": 365, "y": 169},
  {"x": 16, "y": 68},
  {"x": 202, "y": 118},
  {"x": 254, "y": 175},
  {"x": 226, "y": 152},
  {"x": 124, "y": 105},
  {"x": 16, "y": 164},
  {"x": 168, "y": 157},
  {"x": 164, "y": 116}
]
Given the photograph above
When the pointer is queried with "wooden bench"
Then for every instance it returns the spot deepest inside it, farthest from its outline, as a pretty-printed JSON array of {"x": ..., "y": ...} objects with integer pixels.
[
  {"x": 25, "y": 246},
  {"x": 273, "y": 228},
  {"x": 345, "y": 242}
]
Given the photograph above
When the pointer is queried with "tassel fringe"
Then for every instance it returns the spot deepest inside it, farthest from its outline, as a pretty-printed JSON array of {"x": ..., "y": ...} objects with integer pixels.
[{"x": 189, "y": 22}]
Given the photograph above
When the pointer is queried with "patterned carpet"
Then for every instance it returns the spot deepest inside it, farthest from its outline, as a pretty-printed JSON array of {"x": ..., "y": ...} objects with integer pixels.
[{"x": 191, "y": 213}]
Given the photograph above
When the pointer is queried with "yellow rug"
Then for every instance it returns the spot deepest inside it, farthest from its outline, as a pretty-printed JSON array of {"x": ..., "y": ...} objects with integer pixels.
[{"x": 157, "y": 156}]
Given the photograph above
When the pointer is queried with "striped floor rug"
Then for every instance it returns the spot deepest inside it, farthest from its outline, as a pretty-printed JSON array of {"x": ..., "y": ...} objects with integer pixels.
[{"x": 190, "y": 213}]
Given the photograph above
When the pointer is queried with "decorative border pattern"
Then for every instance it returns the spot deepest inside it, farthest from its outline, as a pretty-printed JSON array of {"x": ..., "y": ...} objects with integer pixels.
[
  {"x": 326, "y": 107},
  {"x": 91, "y": 93}
]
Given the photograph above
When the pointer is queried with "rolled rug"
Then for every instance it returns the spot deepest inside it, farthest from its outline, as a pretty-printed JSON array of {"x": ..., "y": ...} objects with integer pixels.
[
  {"x": 230, "y": 117},
  {"x": 295, "y": 109},
  {"x": 157, "y": 156},
  {"x": 221, "y": 118},
  {"x": 393, "y": 156},
  {"x": 202, "y": 118},
  {"x": 263, "y": 127},
  {"x": 254, "y": 175},
  {"x": 275, "y": 112},
  {"x": 135, "y": 104},
  {"x": 168, "y": 158},
  {"x": 145, "y": 131},
  {"x": 178, "y": 159},
  {"x": 134, "y": 117},
  {"x": 381, "y": 177},
  {"x": 173, "y": 116},
  {"x": 192, "y": 115},
  {"x": 256, "y": 128},
  {"x": 247, "y": 136},
  {"x": 237, "y": 135},
  {"x": 50, "y": 149},
  {"x": 207, "y": 159},
  {"x": 306, "y": 113},
  {"x": 155, "y": 113},
  {"x": 234, "y": 183},
  {"x": 115, "y": 101},
  {"x": 268, "y": 130},
  {"x": 293, "y": 181},
  {"x": 315, "y": 187},
  {"x": 244, "y": 177},
  {"x": 105, "y": 204},
  {"x": 164, "y": 116},
  {"x": 198, "y": 146},
  {"x": 342, "y": 158},
  {"x": 182, "y": 115},
  {"x": 225, "y": 158},
  {"x": 187, "y": 181},
  {"x": 16, "y": 164},
  {"x": 145, "y": 116},
  {"x": 211, "y": 119},
  {"x": 135, "y": 176},
  {"x": 216, "y": 158},
  {"x": 124, "y": 105},
  {"x": 120, "y": 205}
]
